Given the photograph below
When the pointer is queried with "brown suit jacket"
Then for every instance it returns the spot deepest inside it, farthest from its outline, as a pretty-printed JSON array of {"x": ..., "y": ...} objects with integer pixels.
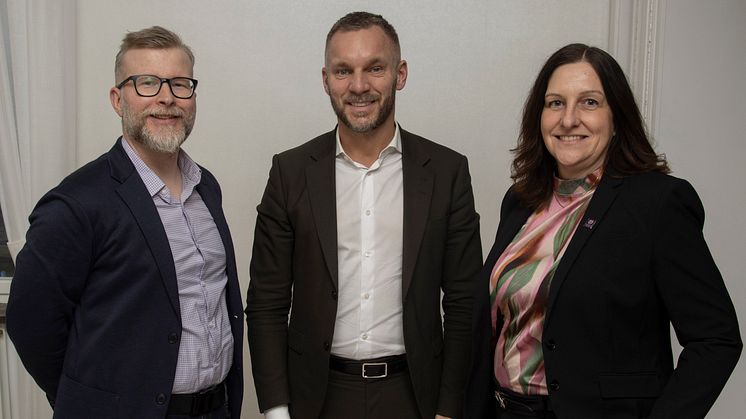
[{"x": 294, "y": 264}]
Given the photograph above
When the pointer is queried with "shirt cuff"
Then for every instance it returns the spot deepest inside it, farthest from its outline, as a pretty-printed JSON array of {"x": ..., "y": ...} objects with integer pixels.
[{"x": 277, "y": 412}]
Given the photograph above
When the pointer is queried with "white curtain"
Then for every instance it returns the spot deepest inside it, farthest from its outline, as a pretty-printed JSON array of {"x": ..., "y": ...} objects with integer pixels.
[
  {"x": 38, "y": 65},
  {"x": 38, "y": 62}
]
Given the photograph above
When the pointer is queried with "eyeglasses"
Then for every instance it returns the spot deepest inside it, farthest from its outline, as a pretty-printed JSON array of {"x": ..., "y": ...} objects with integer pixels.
[{"x": 148, "y": 85}]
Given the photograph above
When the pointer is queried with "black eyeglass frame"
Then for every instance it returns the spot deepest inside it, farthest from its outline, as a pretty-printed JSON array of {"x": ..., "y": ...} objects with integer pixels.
[{"x": 163, "y": 80}]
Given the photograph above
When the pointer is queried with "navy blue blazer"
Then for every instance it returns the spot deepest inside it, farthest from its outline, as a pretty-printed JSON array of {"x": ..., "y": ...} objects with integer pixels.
[
  {"x": 94, "y": 306},
  {"x": 637, "y": 263}
]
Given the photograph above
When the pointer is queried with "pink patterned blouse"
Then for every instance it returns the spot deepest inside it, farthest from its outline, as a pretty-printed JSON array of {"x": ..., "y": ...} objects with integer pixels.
[{"x": 519, "y": 284}]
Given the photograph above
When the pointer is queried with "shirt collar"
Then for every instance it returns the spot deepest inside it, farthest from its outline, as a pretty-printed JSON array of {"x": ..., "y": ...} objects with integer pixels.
[
  {"x": 190, "y": 172},
  {"x": 577, "y": 187},
  {"x": 393, "y": 146}
]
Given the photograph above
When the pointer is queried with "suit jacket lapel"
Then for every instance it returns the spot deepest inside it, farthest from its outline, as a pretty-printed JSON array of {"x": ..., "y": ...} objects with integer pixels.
[
  {"x": 134, "y": 194},
  {"x": 212, "y": 202},
  {"x": 509, "y": 226},
  {"x": 418, "y": 190},
  {"x": 602, "y": 199},
  {"x": 233, "y": 295},
  {"x": 320, "y": 178}
]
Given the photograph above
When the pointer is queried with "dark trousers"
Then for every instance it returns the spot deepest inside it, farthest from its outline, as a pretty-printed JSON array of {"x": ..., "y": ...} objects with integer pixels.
[
  {"x": 504, "y": 414},
  {"x": 221, "y": 413},
  {"x": 352, "y": 396}
]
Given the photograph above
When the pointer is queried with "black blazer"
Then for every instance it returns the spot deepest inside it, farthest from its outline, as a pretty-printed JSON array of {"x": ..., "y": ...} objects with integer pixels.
[
  {"x": 637, "y": 262},
  {"x": 94, "y": 304},
  {"x": 295, "y": 257}
]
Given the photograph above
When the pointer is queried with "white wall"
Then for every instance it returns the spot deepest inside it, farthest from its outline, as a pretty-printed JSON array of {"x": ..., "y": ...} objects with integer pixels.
[
  {"x": 471, "y": 63},
  {"x": 701, "y": 129}
]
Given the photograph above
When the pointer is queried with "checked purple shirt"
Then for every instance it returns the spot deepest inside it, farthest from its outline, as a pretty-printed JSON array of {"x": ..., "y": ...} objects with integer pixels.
[{"x": 206, "y": 348}]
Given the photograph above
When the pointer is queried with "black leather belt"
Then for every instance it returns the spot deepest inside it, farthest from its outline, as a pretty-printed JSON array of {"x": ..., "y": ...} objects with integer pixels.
[
  {"x": 370, "y": 368},
  {"x": 196, "y": 404},
  {"x": 521, "y": 403}
]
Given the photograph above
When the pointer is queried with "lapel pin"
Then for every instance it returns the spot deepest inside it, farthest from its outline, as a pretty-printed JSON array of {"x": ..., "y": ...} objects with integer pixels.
[{"x": 589, "y": 223}]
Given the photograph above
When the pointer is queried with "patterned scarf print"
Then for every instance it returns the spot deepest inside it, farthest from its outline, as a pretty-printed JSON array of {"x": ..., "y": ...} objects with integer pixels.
[{"x": 520, "y": 280}]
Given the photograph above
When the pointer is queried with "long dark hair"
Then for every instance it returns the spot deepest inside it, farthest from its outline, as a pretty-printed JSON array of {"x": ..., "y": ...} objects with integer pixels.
[{"x": 629, "y": 150}]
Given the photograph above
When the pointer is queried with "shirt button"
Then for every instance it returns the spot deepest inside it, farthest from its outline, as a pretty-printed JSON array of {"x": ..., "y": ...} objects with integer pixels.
[
  {"x": 334, "y": 294},
  {"x": 364, "y": 336},
  {"x": 327, "y": 346},
  {"x": 554, "y": 385},
  {"x": 551, "y": 344},
  {"x": 173, "y": 338},
  {"x": 160, "y": 399},
  {"x": 202, "y": 283},
  {"x": 367, "y": 254},
  {"x": 367, "y": 212},
  {"x": 366, "y": 296}
]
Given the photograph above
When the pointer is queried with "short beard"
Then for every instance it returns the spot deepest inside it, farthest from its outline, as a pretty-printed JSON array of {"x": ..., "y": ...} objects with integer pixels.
[
  {"x": 386, "y": 109},
  {"x": 168, "y": 141}
]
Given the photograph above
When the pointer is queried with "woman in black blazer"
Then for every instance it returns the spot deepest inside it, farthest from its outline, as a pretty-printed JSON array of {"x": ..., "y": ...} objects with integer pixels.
[{"x": 598, "y": 251}]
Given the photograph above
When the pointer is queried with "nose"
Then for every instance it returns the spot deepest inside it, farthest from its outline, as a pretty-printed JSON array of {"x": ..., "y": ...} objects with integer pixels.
[
  {"x": 165, "y": 96},
  {"x": 570, "y": 117},
  {"x": 359, "y": 83}
]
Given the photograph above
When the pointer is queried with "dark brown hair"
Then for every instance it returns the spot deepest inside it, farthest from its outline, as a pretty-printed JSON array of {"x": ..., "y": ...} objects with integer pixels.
[
  {"x": 356, "y": 21},
  {"x": 629, "y": 150},
  {"x": 155, "y": 37}
]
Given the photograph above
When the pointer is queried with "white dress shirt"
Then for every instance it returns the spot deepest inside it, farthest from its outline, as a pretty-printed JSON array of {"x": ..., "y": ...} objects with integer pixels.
[
  {"x": 370, "y": 235},
  {"x": 370, "y": 207}
]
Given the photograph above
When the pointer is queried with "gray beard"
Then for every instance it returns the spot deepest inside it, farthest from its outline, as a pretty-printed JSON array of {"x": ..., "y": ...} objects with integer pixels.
[{"x": 168, "y": 142}]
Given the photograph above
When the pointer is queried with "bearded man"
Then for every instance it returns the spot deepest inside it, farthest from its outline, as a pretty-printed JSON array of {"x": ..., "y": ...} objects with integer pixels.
[
  {"x": 357, "y": 234},
  {"x": 126, "y": 301}
]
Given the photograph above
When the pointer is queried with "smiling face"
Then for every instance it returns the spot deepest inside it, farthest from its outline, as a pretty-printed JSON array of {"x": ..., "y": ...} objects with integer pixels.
[
  {"x": 576, "y": 122},
  {"x": 163, "y": 122},
  {"x": 361, "y": 77}
]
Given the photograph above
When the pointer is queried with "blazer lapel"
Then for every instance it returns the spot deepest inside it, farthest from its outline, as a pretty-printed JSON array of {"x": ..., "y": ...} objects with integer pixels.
[
  {"x": 418, "y": 190},
  {"x": 506, "y": 233},
  {"x": 134, "y": 194},
  {"x": 320, "y": 180},
  {"x": 212, "y": 202},
  {"x": 602, "y": 199}
]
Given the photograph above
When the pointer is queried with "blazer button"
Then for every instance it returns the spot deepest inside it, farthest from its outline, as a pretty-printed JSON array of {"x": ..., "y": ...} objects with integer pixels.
[
  {"x": 551, "y": 344},
  {"x": 160, "y": 399},
  {"x": 334, "y": 295},
  {"x": 327, "y": 345},
  {"x": 554, "y": 385},
  {"x": 173, "y": 338}
]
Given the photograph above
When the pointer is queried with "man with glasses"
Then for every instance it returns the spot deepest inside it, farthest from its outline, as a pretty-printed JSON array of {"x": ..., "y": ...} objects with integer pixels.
[
  {"x": 357, "y": 234},
  {"x": 126, "y": 301}
]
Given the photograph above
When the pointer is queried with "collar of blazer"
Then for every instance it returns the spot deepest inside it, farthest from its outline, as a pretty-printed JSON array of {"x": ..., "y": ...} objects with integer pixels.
[
  {"x": 418, "y": 188},
  {"x": 135, "y": 195},
  {"x": 603, "y": 197}
]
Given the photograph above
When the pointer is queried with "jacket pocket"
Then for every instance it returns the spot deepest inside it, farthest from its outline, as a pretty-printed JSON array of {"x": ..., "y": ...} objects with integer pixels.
[
  {"x": 629, "y": 385},
  {"x": 76, "y": 400}
]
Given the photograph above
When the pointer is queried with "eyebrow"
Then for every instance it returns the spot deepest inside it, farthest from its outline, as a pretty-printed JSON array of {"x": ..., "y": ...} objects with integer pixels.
[
  {"x": 585, "y": 92},
  {"x": 369, "y": 63}
]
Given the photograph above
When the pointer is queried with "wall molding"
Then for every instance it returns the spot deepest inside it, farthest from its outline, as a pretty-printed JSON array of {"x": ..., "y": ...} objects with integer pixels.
[{"x": 636, "y": 29}]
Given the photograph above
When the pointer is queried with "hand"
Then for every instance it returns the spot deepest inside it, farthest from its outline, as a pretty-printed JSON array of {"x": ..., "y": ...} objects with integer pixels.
[{"x": 441, "y": 417}]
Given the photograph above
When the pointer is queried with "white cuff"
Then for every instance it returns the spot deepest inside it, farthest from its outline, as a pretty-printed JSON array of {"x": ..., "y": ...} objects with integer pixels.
[{"x": 277, "y": 412}]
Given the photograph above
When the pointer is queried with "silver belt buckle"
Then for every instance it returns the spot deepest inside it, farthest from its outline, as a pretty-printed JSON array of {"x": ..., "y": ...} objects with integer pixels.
[{"x": 376, "y": 364}]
